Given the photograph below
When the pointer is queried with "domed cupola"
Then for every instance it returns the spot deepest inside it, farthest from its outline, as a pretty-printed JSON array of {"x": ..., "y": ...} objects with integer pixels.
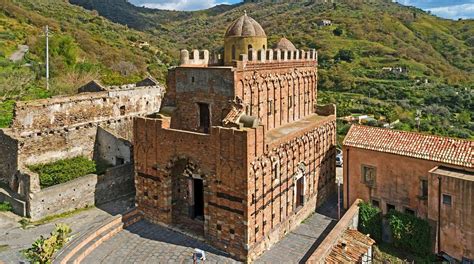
[
  {"x": 285, "y": 44},
  {"x": 243, "y": 34}
]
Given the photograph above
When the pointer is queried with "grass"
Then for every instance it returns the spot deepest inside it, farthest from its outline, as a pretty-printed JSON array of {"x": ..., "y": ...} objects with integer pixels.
[
  {"x": 27, "y": 223},
  {"x": 52, "y": 218},
  {"x": 5, "y": 207},
  {"x": 386, "y": 253},
  {"x": 65, "y": 170}
]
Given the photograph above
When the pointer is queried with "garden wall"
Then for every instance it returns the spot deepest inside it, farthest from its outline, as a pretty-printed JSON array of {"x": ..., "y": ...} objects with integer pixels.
[
  {"x": 81, "y": 192},
  {"x": 350, "y": 220}
]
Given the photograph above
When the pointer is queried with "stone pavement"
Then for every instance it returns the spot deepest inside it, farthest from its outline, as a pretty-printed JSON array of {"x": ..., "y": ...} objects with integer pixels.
[
  {"x": 297, "y": 246},
  {"x": 13, "y": 238},
  {"x": 145, "y": 242},
  {"x": 149, "y": 243}
]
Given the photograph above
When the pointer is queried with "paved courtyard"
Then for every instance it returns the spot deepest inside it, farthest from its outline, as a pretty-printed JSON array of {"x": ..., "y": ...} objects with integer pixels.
[
  {"x": 13, "y": 238},
  {"x": 148, "y": 243},
  {"x": 144, "y": 242}
]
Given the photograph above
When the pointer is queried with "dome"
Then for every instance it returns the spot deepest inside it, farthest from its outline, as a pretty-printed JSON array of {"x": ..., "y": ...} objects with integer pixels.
[
  {"x": 285, "y": 44},
  {"x": 245, "y": 26}
]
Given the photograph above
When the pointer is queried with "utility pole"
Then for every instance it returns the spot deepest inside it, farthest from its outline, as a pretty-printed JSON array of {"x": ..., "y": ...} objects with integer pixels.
[
  {"x": 417, "y": 119},
  {"x": 47, "y": 57}
]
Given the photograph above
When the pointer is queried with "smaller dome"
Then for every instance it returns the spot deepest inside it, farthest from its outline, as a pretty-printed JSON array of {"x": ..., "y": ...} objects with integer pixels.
[
  {"x": 245, "y": 26},
  {"x": 284, "y": 44}
]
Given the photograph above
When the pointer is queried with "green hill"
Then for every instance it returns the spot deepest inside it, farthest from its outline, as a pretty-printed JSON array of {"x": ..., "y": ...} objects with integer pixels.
[
  {"x": 365, "y": 39},
  {"x": 434, "y": 54}
]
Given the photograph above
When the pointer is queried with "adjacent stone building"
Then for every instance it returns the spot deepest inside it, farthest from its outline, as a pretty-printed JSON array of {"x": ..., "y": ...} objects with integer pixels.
[
  {"x": 95, "y": 123},
  {"x": 429, "y": 176},
  {"x": 239, "y": 153}
]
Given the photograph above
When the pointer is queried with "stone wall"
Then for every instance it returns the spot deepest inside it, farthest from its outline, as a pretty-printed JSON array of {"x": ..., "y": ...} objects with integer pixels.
[
  {"x": 350, "y": 220},
  {"x": 111, "y": 149},
  {"x": 97, "y": 125},
  {"x": 50, "y": 114},
  {"x": 8, "y": 158},
  {"x": 81, "y": 192}
]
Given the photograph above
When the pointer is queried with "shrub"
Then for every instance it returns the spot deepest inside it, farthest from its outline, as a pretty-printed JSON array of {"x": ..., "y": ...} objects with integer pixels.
[
  {"x": 63, "y": 170},
  {"x": 5, "y": 207},
  {"x": 338, "y": 31},
  {"x": 410, "y": 232},
  {"x": 344, "y": 55},
  {"x": 43, "y": 249},
  {"x": 370, "y": 220}
]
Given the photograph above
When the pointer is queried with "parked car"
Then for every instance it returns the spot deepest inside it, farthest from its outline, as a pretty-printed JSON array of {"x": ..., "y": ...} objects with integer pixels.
[{"x": 339, "y": 161}]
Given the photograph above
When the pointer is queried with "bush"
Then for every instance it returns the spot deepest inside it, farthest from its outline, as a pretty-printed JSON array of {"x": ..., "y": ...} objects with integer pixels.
[
  {"x": 370, "y": 220},
  {"x": 344, "y": 55},
  {"x": 43, "y": 249},
  {"x": 410, "y": 232},
  {"x": 63, "y": 170},
  {"x": 338, "y": 31},
  {"x": 5, "y": 207}
]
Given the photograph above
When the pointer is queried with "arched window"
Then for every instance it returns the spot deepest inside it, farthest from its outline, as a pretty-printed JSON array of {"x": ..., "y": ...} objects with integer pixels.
[
  {"x": 263, "y": 46},
  {"x": 233, "y": 52},
  {"x": 250, "y": 53}
]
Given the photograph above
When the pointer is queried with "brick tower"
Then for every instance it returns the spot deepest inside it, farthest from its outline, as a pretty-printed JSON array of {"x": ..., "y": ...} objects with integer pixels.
[{"x": 239, "y": 153}]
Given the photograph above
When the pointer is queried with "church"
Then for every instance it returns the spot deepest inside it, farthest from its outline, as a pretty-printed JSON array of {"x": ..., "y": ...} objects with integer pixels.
[{"x": 239, "y": 153}]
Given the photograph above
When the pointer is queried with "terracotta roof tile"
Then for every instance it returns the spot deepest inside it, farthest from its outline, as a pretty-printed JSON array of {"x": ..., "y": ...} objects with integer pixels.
[
  {"x": 442, "y": 149},
  {"x": 350, "y": 248}
]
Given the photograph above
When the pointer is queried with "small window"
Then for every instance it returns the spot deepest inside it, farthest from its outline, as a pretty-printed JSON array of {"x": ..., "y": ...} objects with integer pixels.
[
  {"x": 270, "y": 107},
  {"x": 390, "y": 207},
  {"x": 122, "y": 110},
  {"x": 424, "y": 188},
  {"x": 368, "y": 175},
  {"x": 409, "y": 211},
  {"x": 204, "y": 117},
  {"x": 233, "y": 52},
  {"x": 193, "y": 79},
  {"x": 376, "y": 203},
  {"x": 447, "y": 199}
]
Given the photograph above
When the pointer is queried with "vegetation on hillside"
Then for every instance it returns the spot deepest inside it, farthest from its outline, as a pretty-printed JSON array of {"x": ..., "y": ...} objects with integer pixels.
[
  {"x": 433, "y": 56},
  {"x": 83, "y": 46},
  {"x": 378, "y": 58}
]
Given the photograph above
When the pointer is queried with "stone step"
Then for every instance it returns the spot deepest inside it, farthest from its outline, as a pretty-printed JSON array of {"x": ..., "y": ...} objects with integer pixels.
[{"x": 80, "y": 247}]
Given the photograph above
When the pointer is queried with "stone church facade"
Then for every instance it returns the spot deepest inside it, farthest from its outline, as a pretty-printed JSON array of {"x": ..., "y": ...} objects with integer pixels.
[{"x": 240, "y": 153}]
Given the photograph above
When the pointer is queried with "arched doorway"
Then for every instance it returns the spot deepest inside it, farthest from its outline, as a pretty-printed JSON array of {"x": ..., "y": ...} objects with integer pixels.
[{"x": 187, "y": 196}]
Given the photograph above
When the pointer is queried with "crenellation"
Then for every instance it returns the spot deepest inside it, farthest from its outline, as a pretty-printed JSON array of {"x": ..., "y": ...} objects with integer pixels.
[{"x": 195, "y": 58}]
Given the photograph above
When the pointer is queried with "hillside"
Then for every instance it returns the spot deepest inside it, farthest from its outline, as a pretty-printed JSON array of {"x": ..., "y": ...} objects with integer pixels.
[
  {"x": 435, "y": 55},
  {"x": 83, "y": 46}
]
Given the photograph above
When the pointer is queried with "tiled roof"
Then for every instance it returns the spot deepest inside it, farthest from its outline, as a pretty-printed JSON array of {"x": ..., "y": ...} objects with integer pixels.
[
  {"x": 350, "y": 248},
  {"x": 441, "y": 149}
]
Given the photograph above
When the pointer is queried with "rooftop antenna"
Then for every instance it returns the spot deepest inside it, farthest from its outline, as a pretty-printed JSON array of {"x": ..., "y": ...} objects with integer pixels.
[{"x": 47, "y": 57}]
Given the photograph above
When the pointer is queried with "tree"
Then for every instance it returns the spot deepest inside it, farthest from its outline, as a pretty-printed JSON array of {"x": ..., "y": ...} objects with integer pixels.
[
  {"x": 344, "y": 55},
  {"x": 338, "y": 31}
]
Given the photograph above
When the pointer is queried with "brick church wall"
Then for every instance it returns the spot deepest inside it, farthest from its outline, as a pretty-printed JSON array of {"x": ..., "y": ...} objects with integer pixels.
[
  {"x": 272, "y": 211},
  {"x": 218, "y": 158}
]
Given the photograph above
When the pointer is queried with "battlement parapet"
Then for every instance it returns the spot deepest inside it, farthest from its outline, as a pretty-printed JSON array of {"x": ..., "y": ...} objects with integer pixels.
[
  {"x": 277, "y": 55},
  {"x": 195, "y": 58}
]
